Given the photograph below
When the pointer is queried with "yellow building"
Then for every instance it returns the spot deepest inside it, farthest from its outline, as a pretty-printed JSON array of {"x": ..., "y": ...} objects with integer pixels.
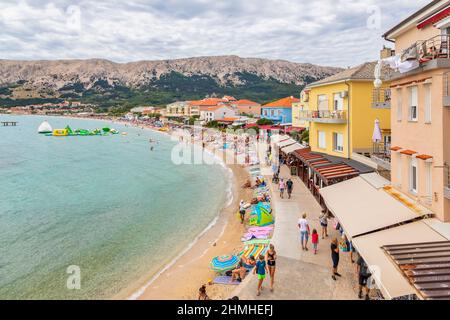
[
  {"x": 297, "y": 108},
  {"x": 342, "y": 112}
]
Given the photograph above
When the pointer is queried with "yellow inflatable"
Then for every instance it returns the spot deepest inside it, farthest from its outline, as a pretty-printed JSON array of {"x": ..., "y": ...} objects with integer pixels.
[{"x": 60, "y": 132}]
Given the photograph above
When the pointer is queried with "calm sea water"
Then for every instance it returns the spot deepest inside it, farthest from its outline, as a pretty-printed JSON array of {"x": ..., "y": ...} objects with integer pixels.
[{"x": 106, "y": 204}]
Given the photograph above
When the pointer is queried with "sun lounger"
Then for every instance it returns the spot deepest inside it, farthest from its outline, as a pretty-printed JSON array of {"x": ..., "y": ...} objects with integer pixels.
[{"x": 225, "y": 280}]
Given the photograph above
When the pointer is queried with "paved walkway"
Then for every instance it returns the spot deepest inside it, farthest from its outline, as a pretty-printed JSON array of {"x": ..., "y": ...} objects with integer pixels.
[{"x": 301, "y": 274}]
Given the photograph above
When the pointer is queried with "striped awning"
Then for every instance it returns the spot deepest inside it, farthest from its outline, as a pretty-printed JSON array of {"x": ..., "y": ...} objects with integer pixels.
[{"x": 335, "y": 171}]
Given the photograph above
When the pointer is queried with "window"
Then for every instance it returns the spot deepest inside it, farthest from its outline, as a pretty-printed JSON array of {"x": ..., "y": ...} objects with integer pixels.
[
  {"x": 322, "y": 143},
  {"x": 272, "y": 113},
  {"x": 413, "y": 104},
  {"x": 413, "y": 176},
  {"x": 338, "y": 102},
  {"x": 338, "y": 142},
  {"x": 399, "y": 169},
  {"x": 399, "y": 105},
  {"x": 428, "y": 101},
  {"x": 322, "y": 102}
]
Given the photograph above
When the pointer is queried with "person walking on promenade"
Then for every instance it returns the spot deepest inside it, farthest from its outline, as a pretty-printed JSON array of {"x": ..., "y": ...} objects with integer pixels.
[
  {"x": 271, "y": 257},
  {"x": 335, "y": 258},
  {"x": 282, "y": 186},
  {"x": 363, "y": 277},
  {"x": 304, "y": 231},
  {"x": 260, "y": 270},
  {"x": 290, "y": 186},
  {"x": 315, "y": 240},
  {"x": 324, "y": 224}
]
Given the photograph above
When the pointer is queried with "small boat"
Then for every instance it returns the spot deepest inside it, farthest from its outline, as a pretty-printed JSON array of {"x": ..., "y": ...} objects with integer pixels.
[{"x": 45, "y": 127}]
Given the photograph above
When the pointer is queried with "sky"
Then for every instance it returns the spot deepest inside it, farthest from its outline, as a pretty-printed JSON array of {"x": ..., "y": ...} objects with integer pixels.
[{"x": 326, "y": 32}]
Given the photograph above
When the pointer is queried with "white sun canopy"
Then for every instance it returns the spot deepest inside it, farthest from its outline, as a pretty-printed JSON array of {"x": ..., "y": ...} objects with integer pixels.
[
  {"x": 362, "y": 208},
  {"x": 292, "y": 148},
  {"x": 286, "y": 143},
  {"x": 387, "y": 276},
  {"x": 278, "y": 138}
]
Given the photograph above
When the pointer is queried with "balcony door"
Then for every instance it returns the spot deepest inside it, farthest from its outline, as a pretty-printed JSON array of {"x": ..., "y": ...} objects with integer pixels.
[{"x": 338, "y": 102}]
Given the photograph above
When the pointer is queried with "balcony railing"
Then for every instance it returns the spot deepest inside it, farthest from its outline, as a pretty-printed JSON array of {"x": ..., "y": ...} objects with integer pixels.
[
  {"x": 381, "y": 98},
  {"x": 324, "y": 116},
  {"x": 434, "y": 48},
  {"x": 381, "y": 154}
]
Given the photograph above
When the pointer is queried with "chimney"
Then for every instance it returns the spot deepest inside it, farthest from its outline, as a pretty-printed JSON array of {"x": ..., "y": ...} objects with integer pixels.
[{"x": 386, "y": 52}]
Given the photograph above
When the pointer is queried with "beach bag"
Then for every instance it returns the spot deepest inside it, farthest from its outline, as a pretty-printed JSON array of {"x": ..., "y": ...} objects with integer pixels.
[{"x": 344, "y": 246}]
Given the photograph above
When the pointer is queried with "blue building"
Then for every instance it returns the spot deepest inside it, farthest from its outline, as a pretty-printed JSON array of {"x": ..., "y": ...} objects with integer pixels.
[{"x": 280, "y": 111}]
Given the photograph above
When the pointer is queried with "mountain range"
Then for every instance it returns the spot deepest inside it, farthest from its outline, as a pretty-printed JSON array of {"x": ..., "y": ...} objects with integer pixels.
[{"x": 108, "y": 83}]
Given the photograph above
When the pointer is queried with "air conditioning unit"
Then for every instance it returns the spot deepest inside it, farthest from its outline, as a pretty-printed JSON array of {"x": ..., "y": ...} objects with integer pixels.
[{"x": 344, "y": 94}]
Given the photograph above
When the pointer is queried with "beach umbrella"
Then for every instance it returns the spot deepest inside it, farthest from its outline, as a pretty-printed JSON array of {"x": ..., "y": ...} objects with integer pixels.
[
  {"x": 224, "y": 263},
  {"x": 376, "y": 137}
]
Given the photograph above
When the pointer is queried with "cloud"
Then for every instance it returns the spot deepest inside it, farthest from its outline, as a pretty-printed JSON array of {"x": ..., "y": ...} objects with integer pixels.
[{"x": 326, "y": 32}]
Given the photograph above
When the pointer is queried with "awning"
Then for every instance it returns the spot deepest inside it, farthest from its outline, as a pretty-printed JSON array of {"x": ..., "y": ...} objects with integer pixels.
[
  {"x": 361, "y": 208},
  {"x": 278, "y": 138},
  {"x": 329, "y": 171},
  {"x": 292, "y": 148},
  {"x": 438, "y": 16},
  {"x": 388, "y": 277},
  {"x": 286, "y": 143}
]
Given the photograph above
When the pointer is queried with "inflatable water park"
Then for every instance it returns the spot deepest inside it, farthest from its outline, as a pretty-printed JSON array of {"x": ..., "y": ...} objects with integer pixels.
[{"x": 46, "y": 129}]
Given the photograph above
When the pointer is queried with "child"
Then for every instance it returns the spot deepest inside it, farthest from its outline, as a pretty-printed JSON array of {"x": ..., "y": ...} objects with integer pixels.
[
  {"x": 315, "y": 240},
  {"x": 261, "y": 269}
]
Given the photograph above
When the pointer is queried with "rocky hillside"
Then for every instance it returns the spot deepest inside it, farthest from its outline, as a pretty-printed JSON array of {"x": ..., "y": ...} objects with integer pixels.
[{"x": 260, "y": 79}]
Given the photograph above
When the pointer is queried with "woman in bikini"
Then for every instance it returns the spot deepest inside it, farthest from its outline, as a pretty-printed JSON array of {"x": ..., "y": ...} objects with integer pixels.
[{"x": 271, "y": 257}]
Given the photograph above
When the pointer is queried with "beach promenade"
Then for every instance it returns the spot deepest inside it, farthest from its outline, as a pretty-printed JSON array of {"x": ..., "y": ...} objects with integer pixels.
[{"x": 301, "y": 274}]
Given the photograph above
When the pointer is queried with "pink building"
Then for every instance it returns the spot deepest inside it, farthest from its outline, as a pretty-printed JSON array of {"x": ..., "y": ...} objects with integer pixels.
[{"x": 421, "y": 108}]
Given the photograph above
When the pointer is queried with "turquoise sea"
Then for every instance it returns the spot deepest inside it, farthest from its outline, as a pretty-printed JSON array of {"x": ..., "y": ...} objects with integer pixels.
[{"x": 108, "y": 205}]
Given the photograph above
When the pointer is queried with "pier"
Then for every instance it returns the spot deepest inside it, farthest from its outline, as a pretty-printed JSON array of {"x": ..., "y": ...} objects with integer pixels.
[{"x": 9, "y": 123}]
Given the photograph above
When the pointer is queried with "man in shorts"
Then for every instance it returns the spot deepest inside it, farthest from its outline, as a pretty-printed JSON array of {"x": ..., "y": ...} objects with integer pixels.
[
  {"x": 304, "y": 231},
  {"x": 242, "y": 211},
  {"x": 289, "y": 186}
]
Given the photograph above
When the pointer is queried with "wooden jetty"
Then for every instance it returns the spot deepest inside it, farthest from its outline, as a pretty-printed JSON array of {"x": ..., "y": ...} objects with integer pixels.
[{"x": 9, "y": 123}]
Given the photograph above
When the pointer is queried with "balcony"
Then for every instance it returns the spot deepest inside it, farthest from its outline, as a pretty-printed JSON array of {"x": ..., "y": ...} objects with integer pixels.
[
  {"x": 381, "y": 98},
  {"x": 324, "y": 116},
  {"x": 431, "y": 54},
  {"x": 381, "y": 155},
  {"x": 447, "y": 180}
]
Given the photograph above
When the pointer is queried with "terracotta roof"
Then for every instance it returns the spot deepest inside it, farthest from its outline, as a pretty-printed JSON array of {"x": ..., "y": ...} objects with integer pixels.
[
  {"x": 231, "y": 119},
  {"x": 207, "y": 102},
  {"x": 426, "y": 266},
  {"x": 214, "y": 108},
  {"x": 245, "y": 102},
  {"x": 396, "y": 148},
  {"x": 282, "y": 103},
  {"x": 408, "y": 152},
  {"x": 229, "y": 98},
  {"x": 364, "y": 71},
  {"x": 424, "y": 157}
]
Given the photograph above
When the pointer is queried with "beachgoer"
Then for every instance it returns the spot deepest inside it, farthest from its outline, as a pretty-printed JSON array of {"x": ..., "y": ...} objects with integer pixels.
[
  {"x": 242, "y": 211},
  {"x": 260, "y": 270},
  {"x": 282, "y": 186},
  {"x": 324, "y": 224},
  {"x": 290, "y": 186},
  {"x": 304, "y": 231},
  {"x": 202, "y": 295},
  {"x": 271, "y": 257},
  {"x": 251, "y": 261},
  {"x": 238, "y": 273},
  {"x": 363, "y": 277},
  {"x": 315, "y": 240},
  {"x": 335, "y": 258}
]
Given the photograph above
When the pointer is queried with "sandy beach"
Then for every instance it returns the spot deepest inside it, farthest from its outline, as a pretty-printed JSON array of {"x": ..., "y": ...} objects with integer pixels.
[{"x": 183, "y": 278}]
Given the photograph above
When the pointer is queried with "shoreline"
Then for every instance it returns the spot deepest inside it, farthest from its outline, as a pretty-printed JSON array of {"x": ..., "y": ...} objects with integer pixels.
[{"x": 189, "y": 268}]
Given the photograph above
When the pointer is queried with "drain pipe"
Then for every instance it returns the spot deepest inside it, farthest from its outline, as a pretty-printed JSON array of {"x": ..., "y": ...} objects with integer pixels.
[{"x": 348, "y": 119}]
